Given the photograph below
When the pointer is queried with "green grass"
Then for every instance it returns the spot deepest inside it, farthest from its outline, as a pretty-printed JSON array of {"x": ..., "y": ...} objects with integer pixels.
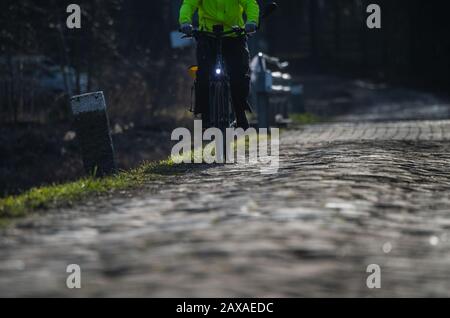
[
  {"x": 305, "y": 119},
  {"x": 67, "y": 194}
]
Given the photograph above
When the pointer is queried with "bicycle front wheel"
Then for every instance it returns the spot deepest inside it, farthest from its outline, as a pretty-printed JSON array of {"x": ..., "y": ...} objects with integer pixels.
[{"x": 220, "y": 112}]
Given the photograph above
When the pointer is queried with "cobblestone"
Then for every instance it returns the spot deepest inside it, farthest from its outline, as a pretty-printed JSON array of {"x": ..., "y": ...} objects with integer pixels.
[{"x": 347, "y": 195}]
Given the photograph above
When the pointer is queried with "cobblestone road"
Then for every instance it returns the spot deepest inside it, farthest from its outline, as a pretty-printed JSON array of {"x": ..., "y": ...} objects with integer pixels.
[{"x": 347, "y": 195}]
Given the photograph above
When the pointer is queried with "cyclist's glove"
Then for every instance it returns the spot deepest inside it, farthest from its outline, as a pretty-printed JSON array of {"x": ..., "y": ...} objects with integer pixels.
[
  {"x": 186, "y": 28},
  {"x": 250, "y": 27}
]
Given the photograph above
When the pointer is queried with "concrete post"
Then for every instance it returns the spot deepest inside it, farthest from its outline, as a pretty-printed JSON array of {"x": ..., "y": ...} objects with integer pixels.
[{"x": 92, "y": 126}]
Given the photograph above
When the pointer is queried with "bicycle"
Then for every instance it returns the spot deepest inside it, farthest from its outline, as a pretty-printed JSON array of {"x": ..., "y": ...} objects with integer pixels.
[
  {"x": 220, "y": 108},
  {"x": 220, "y": 112}
]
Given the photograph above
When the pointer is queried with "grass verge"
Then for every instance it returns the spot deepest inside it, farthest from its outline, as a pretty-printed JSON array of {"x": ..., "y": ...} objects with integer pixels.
[
  {"x": 305, "y": 119},
  {"x": 67, "y": 194}
]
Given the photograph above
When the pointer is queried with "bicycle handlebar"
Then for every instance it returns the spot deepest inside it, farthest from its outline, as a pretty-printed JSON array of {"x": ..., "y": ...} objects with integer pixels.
[{"x": 236, "y": 30}]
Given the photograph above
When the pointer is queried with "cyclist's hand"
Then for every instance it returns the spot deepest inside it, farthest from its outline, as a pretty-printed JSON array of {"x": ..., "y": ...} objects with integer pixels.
[
  {"x": 250, "y": 27},
  {"x": 186, "y": 28}
]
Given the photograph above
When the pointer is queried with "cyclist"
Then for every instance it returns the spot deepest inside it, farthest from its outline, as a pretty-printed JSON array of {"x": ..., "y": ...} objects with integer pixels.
[{"x": 227, "y": 13}]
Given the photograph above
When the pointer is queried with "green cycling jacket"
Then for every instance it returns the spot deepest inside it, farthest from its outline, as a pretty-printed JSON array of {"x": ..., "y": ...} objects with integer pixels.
[{"x": 228, "y": 13}]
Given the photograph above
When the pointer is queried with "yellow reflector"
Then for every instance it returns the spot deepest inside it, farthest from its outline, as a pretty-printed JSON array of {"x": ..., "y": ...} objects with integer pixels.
[{"x": 193, "y": 71}]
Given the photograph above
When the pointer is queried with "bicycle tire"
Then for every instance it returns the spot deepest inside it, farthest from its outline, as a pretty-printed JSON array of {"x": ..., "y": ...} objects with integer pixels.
[{"x": 220, "y": 110}]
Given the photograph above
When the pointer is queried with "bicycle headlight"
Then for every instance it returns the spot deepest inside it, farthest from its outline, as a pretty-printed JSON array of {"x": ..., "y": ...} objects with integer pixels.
[{"x": 218, "y": 71}]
